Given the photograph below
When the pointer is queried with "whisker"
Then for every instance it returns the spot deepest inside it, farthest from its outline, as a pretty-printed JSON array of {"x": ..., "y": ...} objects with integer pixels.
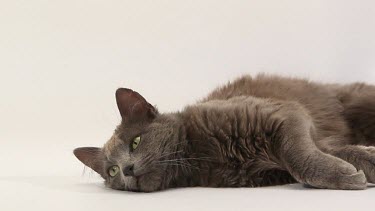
[
  {"x": 185, "y": 163},
  {"x": 176, "y": 144},
  {"x": 200, "y": 158},
  {"x": 170, "y": 153},
  {"x": 179, "y": 164}
]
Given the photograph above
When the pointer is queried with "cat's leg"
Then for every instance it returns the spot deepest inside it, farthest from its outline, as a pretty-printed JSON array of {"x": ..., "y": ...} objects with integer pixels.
[
  {"x": 359, "y": 111},
  {"x": 309, "y": 165},
  {"x": 361, "y": 157},
  {"x": 358, "y": 101}
]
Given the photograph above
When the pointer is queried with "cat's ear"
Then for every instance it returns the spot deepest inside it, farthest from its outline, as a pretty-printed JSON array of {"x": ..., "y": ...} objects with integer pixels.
[
  {"x": 133, "y": 107},
  {"x": 91, "y": 157}
]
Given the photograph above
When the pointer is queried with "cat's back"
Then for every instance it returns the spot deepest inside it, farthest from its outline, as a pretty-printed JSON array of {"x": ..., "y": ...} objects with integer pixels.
[
  {"x": 274, "y": 87},
  {"x": 319, "y": 100}
]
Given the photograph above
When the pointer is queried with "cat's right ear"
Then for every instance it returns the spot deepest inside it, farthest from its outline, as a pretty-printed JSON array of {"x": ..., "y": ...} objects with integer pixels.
[
  {"x": 91, "y": 157},
  {"x": 133, "y": 107}
]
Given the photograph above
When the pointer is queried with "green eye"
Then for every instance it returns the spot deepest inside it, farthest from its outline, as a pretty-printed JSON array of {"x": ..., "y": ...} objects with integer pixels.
[
  {"x": 113, "y": 170},
  {"x": 136, "y": 142}
]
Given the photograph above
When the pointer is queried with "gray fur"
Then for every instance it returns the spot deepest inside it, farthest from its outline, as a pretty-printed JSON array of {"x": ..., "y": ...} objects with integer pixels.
[{"x": 251, "y": 132}]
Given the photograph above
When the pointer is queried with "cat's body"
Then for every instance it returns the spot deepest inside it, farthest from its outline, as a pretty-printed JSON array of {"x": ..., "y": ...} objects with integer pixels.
[{"x": 252, "y": 132}]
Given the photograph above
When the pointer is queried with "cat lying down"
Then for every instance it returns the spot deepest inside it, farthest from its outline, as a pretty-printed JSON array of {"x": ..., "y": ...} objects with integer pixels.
[{"x": 252, "y": 132}]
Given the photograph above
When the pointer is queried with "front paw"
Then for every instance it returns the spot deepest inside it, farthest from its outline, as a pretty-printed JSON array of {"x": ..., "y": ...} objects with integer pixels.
[
  {"x": 333, "y": 173},
  {"x": 355, "y": 181}
]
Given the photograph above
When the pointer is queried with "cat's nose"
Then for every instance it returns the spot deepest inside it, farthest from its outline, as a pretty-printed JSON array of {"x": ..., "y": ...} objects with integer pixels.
[{"x": 129, "y": 170}]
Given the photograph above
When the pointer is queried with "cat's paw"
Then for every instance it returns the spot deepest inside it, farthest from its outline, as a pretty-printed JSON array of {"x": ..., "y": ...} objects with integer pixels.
[
  {"x": 355, "y": 181},
  {"x": 344, "y": 176},
  {"x": 333, "y": 173},
  {"x": 366, "y": 162}
]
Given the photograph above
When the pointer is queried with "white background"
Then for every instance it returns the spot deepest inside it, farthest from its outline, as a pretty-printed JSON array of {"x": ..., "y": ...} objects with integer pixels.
[{"x": 61, "y": 62}]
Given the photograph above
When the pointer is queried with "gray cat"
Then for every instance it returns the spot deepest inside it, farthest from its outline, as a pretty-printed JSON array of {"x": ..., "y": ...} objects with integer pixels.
[{"x": 251, "y": 132}]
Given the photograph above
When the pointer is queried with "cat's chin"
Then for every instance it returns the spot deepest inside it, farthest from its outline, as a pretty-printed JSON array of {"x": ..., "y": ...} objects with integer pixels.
[
  {"x": 149, "y": 182},
  {"x": 128, "y": 184}
]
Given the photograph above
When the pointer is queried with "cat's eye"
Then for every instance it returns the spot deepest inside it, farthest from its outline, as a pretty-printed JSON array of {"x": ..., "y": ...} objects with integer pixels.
[
  {"x": 113, "y": 170},
  {"x": 136, "y": 142}
]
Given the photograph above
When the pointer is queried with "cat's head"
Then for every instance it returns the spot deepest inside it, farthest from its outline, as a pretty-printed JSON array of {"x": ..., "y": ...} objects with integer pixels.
[{"x": 135, "y": 157}]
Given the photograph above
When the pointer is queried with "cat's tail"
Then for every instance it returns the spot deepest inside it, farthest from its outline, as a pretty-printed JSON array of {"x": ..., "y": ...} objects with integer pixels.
[{"x": 359, "y": 110}]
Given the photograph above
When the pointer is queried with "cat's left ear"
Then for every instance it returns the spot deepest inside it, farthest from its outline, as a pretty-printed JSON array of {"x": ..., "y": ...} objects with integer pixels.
[
  {"x": 91, "y": 157},
  {"x": 133, "y": 107}
]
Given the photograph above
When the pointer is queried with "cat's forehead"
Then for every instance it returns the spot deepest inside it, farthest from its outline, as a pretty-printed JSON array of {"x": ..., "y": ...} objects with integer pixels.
[{"x": 111, "y": 144}]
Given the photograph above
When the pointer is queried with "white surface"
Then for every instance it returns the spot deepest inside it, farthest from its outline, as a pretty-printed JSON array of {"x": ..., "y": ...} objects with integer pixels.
[{"x": 61, "y": 61}]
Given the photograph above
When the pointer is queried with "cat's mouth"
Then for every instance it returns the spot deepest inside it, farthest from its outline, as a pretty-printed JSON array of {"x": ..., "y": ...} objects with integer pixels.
[
  {"x": 147, "y": 182},
  {"x": 135, "y": 184},
  {"x": 135, "y": 188}
]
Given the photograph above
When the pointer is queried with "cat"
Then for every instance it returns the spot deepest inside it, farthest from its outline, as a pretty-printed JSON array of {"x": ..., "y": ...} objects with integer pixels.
[{"x": 252, "y": 132}]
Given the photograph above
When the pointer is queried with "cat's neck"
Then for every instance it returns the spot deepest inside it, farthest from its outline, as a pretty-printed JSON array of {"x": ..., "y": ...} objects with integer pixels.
[{"x": 190, "y": 166}]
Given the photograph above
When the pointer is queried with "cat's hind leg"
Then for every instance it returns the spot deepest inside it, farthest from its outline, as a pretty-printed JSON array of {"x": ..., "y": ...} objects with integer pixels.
[{"x": 359, "y": 111}]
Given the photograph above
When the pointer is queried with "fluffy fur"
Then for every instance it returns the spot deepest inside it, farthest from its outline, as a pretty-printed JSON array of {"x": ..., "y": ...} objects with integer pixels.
[{"x": 251, "y": 132}]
